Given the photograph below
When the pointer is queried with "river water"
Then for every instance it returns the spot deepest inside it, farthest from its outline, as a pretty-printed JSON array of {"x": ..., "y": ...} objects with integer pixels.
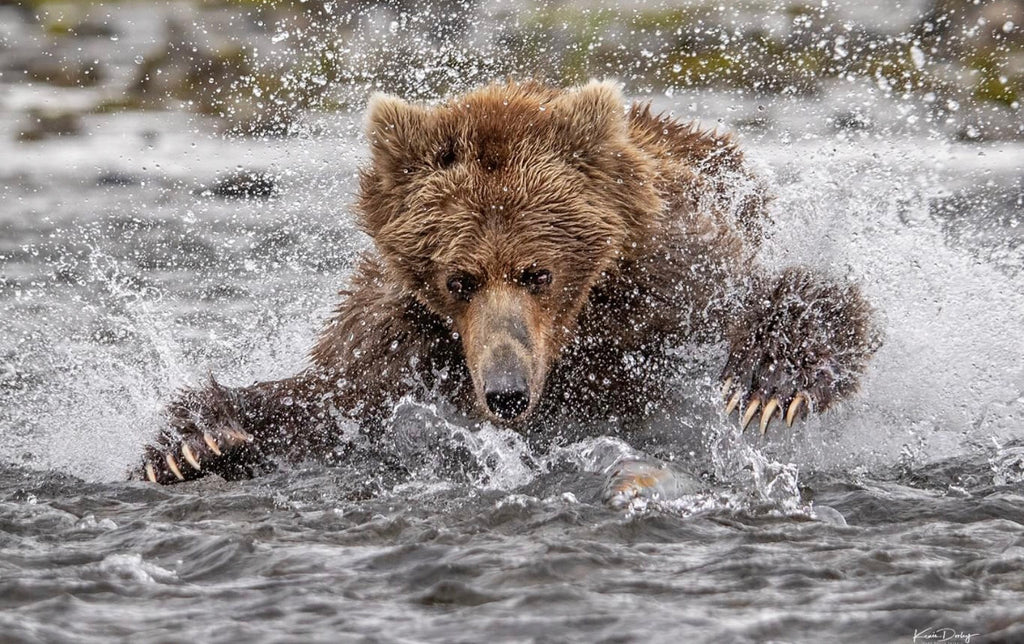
[{"x": 122, "y": 278}]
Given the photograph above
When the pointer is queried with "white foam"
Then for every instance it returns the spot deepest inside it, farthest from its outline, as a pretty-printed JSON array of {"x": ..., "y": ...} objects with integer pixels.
[{"x": 133, "y": 568}]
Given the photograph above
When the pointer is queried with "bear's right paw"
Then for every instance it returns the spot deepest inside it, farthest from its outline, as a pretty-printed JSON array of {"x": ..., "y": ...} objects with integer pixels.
[{"x": 194, "y": 455}]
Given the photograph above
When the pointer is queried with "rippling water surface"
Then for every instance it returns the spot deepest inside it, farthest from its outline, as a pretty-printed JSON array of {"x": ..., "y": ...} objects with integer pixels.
[{"x": 123, "y": 279}]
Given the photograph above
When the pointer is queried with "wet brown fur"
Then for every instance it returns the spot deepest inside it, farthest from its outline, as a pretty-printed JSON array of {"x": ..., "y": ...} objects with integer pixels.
[{"x": 647, "y": 239}]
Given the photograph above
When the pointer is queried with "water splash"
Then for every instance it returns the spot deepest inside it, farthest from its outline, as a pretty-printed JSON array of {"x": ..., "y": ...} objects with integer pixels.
[
  {"x": 949, "y": 376},
  {"x": 1007, "y": 464},
  {"x": 97, "y": 342}
]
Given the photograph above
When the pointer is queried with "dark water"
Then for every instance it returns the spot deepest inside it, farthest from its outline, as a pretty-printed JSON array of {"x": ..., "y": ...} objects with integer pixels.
[
  {"x": 292, "y": 556},
  {"x": 120, "y": 280}
]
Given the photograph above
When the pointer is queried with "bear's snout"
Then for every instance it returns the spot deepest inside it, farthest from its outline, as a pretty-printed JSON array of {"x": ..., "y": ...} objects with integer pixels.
[
  {"x": 505, "y": 351},
  {"x": 506, "y": 384}
]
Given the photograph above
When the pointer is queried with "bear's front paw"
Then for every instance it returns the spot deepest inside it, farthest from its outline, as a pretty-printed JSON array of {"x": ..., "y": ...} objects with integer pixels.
[
  {"x": 194, "y": 454},
  {"x": 800, "y": 345}
]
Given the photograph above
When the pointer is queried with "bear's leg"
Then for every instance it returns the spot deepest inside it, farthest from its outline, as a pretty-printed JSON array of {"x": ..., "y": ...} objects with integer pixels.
[
  {"x": 225, "y": 431},
  {"x": 799, "y": 343}
]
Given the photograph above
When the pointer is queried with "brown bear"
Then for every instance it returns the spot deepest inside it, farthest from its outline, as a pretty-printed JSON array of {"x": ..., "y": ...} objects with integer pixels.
[{"x": 538, "y": 251}]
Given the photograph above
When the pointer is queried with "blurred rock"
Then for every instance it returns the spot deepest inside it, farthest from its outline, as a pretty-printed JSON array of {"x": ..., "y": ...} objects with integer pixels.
[
  {"x": 62, "y": 71},
  {"x": 182, "y": 70},
  {"x": 245, "y": 184},
  {"x": 93, "y": 27},
  {"x": 44, "y": 124},
  {"x": 851, "y": 120},
  {"x": 115, "y": 178},
  {"x": 211, "y": 76}
]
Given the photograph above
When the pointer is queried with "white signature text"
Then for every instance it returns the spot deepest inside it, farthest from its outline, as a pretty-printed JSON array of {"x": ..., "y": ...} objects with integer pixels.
[{"x": 932, "y": 634}]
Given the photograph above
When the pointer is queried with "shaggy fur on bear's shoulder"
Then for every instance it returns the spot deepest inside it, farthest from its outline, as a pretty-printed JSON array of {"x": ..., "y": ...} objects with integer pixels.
[{"x": 539, "y": 251}]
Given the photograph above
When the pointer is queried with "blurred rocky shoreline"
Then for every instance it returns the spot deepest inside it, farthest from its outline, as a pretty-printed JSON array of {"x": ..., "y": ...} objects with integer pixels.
[{"x": 261, "y": 68}]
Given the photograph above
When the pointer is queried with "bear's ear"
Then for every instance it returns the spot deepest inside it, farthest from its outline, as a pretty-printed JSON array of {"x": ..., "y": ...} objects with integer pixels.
[
  {"x": 396, "y": 129},
  {"x": 591, "y": 115}
]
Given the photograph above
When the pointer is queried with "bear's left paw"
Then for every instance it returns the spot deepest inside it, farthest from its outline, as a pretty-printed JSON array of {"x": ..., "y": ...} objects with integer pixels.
[{"x": 800, "y": 345}]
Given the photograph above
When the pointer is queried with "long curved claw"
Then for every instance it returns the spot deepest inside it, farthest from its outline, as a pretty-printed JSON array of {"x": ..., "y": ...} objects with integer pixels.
[
  {"x": 726, "y": 386},
  {"x": 735, "y": 400},
  {"x": 173, "y": 465},
  {"x": 150, "y": 473},
  {"x": 748, "y": 415},
  {"x": 186, "y": 451},
  {"x": 238, "y": 435},
  {"x": 768, "y": 413},
  {"x": 794, "y": 408},
  {"x": 211, "y": 442}
]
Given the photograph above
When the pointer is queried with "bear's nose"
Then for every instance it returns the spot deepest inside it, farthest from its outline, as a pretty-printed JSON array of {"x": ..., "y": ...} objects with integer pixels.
[
  {"x": 505, "y": 388},
  {"x": 507, "y": 404}
]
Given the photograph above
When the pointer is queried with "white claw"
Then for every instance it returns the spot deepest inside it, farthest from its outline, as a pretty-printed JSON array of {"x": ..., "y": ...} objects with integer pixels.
[
  {"x": 150, "y": 473},
  {"x": 735, "y": 400},
  {"x": 239, "y": 435},
  {"x": 768, "y": 413},
  {"x": 748, "y": 415},
  {"x": 173, "y": 464},
  {"x": 726, "y": 386},
  {"x": 186, "y": 451},
  {"x": 794, "y": 407},
  {"x": 211, "y": 443}
]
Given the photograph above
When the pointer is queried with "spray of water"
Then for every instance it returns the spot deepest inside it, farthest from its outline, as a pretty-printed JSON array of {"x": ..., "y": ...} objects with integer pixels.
[
  {"x": 947, "y": 380},
  {"x": 948, "y": 377}
]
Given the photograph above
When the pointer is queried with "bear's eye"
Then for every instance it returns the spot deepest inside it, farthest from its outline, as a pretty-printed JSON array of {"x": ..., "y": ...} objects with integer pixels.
[
  {"x": 462, "y": 286},
  {"x": 446, "y": 155},
  {"x": 535, "y": 279}
]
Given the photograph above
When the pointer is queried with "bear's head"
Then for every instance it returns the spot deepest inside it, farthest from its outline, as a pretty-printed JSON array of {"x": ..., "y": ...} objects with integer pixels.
[{"x": 501, "y": 210}]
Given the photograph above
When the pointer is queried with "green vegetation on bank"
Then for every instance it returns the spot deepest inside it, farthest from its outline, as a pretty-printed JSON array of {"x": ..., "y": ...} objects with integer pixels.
[{"x": 279, "y": 57}]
